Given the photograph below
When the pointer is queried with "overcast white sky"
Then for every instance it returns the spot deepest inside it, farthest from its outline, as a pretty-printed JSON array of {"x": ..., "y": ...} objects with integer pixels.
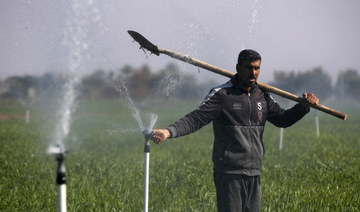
[{"x": 47, "y": 36}]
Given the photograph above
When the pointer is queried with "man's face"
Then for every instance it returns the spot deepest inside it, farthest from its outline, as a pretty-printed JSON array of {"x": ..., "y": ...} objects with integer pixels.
[{"x": 248, "y": 72}]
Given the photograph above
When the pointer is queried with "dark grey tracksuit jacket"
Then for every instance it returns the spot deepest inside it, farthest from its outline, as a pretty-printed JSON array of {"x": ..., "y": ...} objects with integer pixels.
[{"x": 238, "y": 118}]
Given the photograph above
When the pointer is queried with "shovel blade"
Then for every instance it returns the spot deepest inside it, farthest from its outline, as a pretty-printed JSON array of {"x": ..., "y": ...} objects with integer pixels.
[{"x": 144, "y": 43}]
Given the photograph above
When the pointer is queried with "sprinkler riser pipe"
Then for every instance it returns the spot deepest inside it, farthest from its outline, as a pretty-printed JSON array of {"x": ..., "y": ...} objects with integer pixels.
[
  {"x": 62, "y": 198},
  {"x": 317, "y": 125},
  {"x": 147, "y": 133},
  {"x": 281, "y": 138},
  {"x": 146, "y": 182},
  {"x": 27, "y": 116},
  {"x": 61, "y": 181}
]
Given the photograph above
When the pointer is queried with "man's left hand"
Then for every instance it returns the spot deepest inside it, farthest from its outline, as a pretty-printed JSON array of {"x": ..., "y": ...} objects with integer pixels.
[{"x": 309, "y": 99}]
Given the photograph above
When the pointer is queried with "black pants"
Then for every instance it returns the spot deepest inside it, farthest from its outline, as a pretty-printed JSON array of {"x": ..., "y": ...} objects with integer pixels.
[{"x": 236, "y": 192}]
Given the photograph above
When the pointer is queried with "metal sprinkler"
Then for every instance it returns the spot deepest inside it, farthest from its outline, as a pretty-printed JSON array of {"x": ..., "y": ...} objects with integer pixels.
[
  {"x": 147, "y": 133},
  {"x": 59, "y": 152}
]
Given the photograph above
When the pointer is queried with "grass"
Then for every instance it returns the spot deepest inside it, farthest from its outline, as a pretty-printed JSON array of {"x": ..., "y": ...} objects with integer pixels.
[{"x": 106, "y": 159}]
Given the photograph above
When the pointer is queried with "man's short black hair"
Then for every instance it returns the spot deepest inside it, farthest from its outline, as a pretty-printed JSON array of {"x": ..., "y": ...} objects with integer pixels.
[{"x": 248, "y": 55}]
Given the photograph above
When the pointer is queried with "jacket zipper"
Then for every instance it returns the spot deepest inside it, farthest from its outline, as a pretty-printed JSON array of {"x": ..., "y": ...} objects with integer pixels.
[
  {"x": 251, "y": 141},
  {"x": 250, "y": 108}
]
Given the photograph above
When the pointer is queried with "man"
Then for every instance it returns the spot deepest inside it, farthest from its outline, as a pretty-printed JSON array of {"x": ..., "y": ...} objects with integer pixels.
[{"x": 238, "y": 110}]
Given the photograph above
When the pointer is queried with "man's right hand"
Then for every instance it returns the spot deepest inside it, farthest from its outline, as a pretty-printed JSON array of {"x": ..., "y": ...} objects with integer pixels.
[{"x": 160, "y": 135}]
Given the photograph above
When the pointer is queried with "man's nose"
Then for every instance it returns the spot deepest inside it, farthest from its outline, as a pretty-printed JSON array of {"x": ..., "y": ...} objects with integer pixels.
[{"x": 252, "y": 72}]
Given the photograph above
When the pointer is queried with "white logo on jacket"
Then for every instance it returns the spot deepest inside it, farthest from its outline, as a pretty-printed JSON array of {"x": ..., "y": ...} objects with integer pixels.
[{"x": 237, "y": 106}]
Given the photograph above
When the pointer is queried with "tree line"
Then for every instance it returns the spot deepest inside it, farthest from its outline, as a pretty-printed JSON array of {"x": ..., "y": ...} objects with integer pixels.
[
  {"x": 140, "y": 83},
  {"x": 170, "y": 82},
  {"x": 319, "y": 82}
]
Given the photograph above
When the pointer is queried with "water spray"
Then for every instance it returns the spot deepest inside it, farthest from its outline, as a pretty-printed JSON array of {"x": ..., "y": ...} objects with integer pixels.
[
  {"x": 147, "y": 133},
  {"x": 59, "y": 152}
]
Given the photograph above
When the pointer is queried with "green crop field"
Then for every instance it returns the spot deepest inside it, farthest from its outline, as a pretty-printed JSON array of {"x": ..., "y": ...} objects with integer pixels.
[{"x": 106, "y": 159}]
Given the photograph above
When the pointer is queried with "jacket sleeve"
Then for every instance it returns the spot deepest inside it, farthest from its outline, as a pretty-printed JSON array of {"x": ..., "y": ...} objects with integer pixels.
[
  {"x": 208, "y": 111},
  {"x": 284, "y": 118}
]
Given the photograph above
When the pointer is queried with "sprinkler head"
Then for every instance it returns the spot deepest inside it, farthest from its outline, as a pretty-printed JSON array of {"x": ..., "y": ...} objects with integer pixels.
[
  {"x": 148, "y": 133},
  {"x": 60, "y": 156},
  {"x": 58, "y": 151}
]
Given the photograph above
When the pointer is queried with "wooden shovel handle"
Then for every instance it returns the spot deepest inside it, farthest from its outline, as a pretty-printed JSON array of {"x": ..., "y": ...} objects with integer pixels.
[
  {"x": 226, "y": 73},
  {"x": 144, "y": 43}
]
